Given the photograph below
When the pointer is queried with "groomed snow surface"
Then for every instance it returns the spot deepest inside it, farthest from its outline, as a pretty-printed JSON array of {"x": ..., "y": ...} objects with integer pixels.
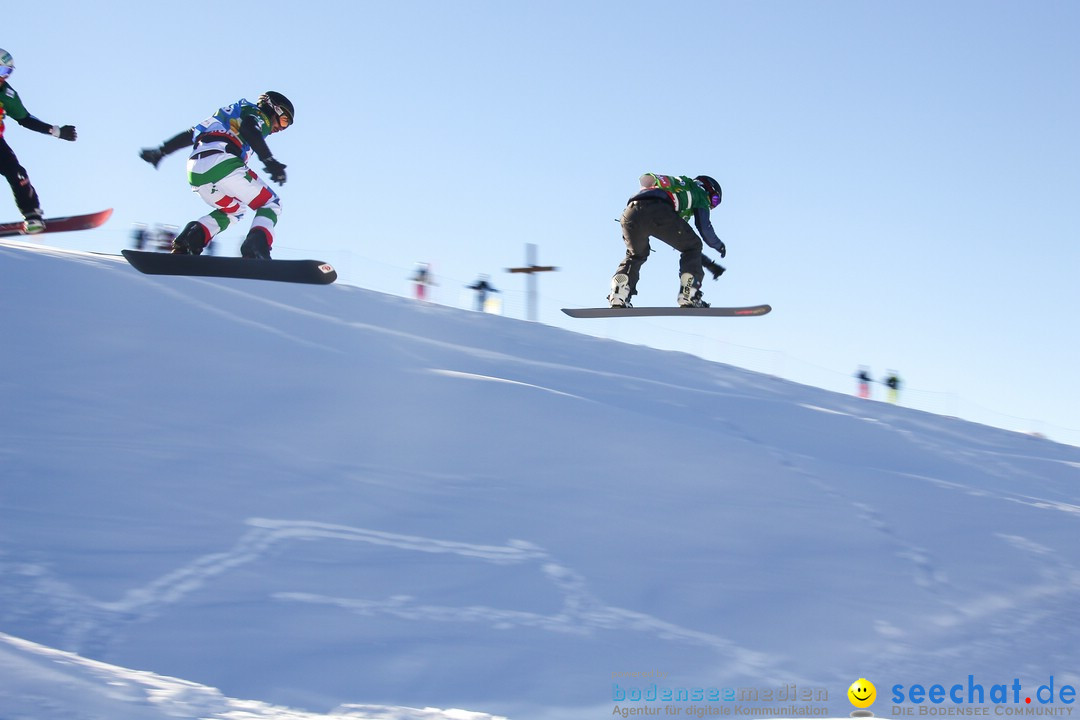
[{"x": 313, "y": 502}]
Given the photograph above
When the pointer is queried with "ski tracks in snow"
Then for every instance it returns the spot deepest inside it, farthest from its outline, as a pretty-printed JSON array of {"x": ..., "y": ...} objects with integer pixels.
[
  {"x": 492, "y": 378},
  {"x": 265, "y": 535},
  {"x": 1016, "y": 615},
  {"x": 581, "y": 613}
]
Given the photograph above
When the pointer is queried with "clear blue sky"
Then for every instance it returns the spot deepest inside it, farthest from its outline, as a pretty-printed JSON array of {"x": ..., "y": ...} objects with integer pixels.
[{"x": 900, "y": 179}]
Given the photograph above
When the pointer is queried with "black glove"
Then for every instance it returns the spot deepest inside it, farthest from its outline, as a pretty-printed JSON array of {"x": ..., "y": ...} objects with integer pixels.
[
  {"x": 715, "y": 268},
  {"x": 152, "y": 156},
  {"x": 275, "y": 169},
  {"x": 67, "y": 132},
  {"x": 722, "y": 249}
]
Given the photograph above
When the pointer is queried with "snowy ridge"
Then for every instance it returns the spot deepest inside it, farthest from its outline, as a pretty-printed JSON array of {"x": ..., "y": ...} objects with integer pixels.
[
  {"x": 345, "y": 502},
  {"x": 42, "y": 682}
]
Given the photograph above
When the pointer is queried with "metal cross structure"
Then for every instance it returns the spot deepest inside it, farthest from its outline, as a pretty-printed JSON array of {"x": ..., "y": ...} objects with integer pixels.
[{"x": 530, "y": 269}]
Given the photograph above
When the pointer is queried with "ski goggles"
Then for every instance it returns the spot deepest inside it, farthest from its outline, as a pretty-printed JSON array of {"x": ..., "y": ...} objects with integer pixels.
[
  {"x": 283, "y": 119},
  {"x": 5, "y": 71}
]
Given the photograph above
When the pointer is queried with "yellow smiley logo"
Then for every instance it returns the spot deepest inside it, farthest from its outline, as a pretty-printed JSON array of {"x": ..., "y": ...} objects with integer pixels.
[{"x": 862, "y": 693}]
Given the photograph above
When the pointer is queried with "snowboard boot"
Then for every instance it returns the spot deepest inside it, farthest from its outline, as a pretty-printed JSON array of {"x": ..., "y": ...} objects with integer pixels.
[
  {"x": 690, "y": 292},
  {"x": 620, "y": 291},
  {"x": 256, "y": 245},
  {"x": 191, "y": 240},
  {"x": 33, "y": 223}
]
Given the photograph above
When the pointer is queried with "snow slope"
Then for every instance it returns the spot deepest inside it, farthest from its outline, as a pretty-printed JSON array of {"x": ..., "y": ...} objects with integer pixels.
[
  {"x": 43, "y": 682},
  {"x": 319, "y": 497}
]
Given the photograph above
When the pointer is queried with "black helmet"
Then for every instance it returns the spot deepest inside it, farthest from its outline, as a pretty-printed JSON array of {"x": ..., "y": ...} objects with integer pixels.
[
  {"x": 712, "y": 188},
  {"x": 276, "y": 105}
]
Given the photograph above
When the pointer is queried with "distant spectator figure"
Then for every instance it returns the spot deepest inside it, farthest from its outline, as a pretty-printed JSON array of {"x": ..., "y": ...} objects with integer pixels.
[
  {"x": 422, "y": 278},
  {"x": 482, "y": 288},
  {"x": 156, "y": 238},
  {"x": 138, "y": 235},
  {"x": 864, "y": 379},
  {"x": 892, "y": 381}
]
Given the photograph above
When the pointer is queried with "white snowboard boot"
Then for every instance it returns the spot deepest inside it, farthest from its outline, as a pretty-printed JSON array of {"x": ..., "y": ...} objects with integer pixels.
[
  {"x": 32, "y": 223},
  {"x": 690, "y": 292},
  {"x": 620, "y": 291}
]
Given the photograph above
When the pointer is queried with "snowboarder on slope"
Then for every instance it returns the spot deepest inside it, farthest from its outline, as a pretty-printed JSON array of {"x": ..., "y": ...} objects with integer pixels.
[
  {"x": 26, "y": 196},
  {"x": 218, "y": 172},
  {"x": 661, "y": 209}
]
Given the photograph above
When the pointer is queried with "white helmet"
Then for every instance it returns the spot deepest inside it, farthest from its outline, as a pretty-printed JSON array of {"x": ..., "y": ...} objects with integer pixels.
[{"x": 7, "y": 65}]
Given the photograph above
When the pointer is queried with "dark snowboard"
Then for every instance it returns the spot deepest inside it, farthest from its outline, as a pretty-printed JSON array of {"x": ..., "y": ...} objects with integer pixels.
[
  {"x": 59, "y": 224},
  {"x": 748, "y": 311},
  {"x": 314, "y": 272}
]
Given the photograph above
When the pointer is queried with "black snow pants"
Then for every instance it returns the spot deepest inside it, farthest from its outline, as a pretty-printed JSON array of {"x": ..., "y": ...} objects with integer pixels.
[
  {"x": 25, "y": 195},
  {"x": 655, "y": 217}
]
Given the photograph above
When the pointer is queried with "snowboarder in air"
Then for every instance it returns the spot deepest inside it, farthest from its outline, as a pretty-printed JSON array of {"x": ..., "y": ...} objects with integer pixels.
[
  {"x": 661, "y": 209},
  {"x": 26, "y": 196},
  {"x": 218, "y": 172}
]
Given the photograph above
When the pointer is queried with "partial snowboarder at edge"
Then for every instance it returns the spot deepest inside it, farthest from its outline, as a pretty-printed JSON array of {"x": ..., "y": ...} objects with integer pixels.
[
  {"x": 218, "y": 172},
  {"x": 26, "y": 197}
]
